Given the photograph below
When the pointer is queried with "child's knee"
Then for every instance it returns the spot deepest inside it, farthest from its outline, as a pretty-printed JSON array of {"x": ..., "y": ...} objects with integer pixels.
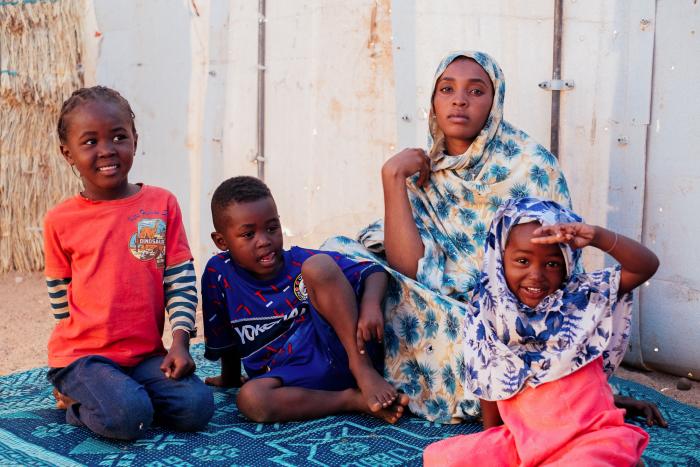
[
  {"x": 127, "y": 419},
  {"x": 193, "y": 410},
  {"x": 253, "y": 406},
  {"x": 320, "y": 269}
]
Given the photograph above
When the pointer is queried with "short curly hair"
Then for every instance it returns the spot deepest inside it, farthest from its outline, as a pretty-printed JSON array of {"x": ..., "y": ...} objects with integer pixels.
[
  {"x": 241, "y": 189},
  {"x": 92, "y": 94}
]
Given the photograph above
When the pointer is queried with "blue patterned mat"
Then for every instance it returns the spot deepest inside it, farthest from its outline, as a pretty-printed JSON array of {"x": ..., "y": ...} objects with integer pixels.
[{"x": 34, "y": 433}]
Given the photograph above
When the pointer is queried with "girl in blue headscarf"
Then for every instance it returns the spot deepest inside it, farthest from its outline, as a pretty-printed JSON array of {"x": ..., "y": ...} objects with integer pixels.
[{"x": 540, "y": 338}]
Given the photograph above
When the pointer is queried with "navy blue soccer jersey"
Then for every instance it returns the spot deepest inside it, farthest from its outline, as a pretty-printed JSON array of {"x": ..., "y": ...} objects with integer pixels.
[{"x": 267, "y": 321}]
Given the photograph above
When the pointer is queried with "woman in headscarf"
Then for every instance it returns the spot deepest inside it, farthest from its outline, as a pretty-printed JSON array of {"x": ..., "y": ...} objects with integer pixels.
[{"x": 437, "y": 210}]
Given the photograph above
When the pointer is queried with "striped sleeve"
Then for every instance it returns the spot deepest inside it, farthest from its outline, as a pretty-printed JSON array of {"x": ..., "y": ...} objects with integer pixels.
[
  {"x": 180, "y": 284},
  {"x": 58, "y": 296}
]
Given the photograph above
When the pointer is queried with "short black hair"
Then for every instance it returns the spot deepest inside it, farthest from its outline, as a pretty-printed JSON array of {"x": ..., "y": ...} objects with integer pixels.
[
  {"x": 95, "y": 93},
  {"x": 241, "y": 189}
]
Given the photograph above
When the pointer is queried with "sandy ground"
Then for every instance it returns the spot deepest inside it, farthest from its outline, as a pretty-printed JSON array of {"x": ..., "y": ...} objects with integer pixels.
[{"x": 27, "y": 323}]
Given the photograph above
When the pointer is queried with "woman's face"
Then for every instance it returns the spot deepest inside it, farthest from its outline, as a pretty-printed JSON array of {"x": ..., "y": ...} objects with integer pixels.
[{"x": 462, "y": 102}]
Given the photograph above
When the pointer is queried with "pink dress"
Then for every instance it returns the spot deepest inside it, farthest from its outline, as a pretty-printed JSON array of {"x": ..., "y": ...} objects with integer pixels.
[{"x": 572, "y": 421}]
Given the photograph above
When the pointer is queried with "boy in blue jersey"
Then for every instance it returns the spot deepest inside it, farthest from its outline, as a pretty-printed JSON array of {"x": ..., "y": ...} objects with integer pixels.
[{"x": 298, "y": 319}]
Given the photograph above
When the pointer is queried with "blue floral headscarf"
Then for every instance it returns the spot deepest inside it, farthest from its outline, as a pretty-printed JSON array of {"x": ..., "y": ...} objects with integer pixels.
[
  {"x": 475, "y": 156},
  {"x": 508, "y": 344}
]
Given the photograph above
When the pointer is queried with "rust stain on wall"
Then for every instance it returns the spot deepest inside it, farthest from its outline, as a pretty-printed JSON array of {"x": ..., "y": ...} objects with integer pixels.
[
  {"x": 379, "y": 47},
  {"x": 335, "y": 109}
]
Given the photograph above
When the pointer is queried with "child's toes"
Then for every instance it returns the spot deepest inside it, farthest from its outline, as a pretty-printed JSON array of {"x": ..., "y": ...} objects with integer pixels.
[
  {"x": 375, "y": 405},
  {"x": 388, "y": 399}
]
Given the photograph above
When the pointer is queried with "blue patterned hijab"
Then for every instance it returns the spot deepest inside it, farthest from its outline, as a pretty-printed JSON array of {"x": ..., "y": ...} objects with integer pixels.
[
  {"x": 475, "y": 156},
  {"x": 508, "y": 344}
]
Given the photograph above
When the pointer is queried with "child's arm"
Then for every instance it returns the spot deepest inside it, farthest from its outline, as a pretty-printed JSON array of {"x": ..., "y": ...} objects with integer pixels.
[
  {"x": 230, "y": 376},
  {"x": 58, "y": 296},
  {"x": 638, "y": 263},
  {"x": 490, "y": 414},
  {"x": 180, "y": 287},
  {"x": 370, "y": 322}
]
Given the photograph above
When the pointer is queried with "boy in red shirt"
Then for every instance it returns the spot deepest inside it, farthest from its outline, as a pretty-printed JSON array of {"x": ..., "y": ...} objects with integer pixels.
[{"x": 116, "y": 260}]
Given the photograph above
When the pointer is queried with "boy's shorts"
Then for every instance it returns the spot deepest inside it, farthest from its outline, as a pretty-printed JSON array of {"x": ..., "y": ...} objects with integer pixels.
[{"x": 315, "y": 358}]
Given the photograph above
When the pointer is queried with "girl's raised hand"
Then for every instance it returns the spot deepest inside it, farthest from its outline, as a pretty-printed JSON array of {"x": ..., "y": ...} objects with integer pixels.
[
  {"x": 575, "y": 234},
  {"x": 406, "y": 163}
]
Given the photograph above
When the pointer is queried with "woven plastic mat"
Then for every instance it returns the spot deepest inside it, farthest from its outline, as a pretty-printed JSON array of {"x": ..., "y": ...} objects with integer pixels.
[{"x": 34, "y": 433}]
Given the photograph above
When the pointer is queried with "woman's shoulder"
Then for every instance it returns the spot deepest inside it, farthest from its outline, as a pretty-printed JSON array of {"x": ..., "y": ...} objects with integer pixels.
[{"x": 517, "y": 146}]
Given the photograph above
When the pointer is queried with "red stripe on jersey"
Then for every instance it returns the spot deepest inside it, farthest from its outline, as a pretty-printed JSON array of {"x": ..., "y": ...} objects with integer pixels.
[{"x": 260, "y": 296}]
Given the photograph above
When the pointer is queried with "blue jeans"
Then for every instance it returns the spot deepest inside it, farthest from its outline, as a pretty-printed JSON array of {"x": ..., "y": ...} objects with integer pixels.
[{"x": 122, "y": 402}]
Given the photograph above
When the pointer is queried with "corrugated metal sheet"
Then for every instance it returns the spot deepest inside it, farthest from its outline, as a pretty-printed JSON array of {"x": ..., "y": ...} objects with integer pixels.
[{"x": 347, "y": 87}]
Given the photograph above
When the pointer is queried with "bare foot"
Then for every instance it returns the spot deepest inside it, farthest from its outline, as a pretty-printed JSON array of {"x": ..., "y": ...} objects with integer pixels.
[
  {"x": 392, "y": 413},
  {"x": 377, "y": 392},
  {"x": 62, "y": 401}
]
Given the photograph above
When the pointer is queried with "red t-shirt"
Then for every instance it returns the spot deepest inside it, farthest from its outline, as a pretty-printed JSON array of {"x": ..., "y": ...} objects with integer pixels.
[{"x": 115, "y": 253}]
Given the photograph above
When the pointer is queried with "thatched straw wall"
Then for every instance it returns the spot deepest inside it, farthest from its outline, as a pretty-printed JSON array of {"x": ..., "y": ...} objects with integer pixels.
[{"x": 40, "y": 44}]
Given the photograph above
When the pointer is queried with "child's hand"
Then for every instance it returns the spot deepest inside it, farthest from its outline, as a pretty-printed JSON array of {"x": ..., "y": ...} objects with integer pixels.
[
  {"x": 406, "y": 163},
  {"x": 575, "y": 234},
  {"x": 370, "y": 325},
  {"x": 178, "y": 363},
  {"x": 637, "y": 408}
]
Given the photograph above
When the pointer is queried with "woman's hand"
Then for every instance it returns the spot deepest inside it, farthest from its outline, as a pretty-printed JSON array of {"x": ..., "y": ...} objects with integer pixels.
[
  {"x": 575, "y": 234},
  {"x": 406, "y": 163}
]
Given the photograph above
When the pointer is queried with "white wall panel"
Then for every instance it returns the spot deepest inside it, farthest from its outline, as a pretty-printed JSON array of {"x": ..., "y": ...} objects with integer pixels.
[
  {"x": 348, "y": 85},
  {"x": 670, "y": 306}
]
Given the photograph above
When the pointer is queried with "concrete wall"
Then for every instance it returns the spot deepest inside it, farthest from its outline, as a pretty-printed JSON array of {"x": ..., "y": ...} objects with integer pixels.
[
  {"x": 671, "y": 304},
  {"x": 348, "y": 86}
]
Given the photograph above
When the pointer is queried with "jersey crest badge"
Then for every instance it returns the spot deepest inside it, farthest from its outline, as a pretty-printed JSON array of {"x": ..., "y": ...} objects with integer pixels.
[{"x": 300, "y": 289}]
